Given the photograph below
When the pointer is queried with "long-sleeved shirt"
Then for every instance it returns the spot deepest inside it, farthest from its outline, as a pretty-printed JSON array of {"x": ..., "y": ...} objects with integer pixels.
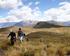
[
  {"x": 20, "y": 33},
  {"x": 12, "y": 34}
]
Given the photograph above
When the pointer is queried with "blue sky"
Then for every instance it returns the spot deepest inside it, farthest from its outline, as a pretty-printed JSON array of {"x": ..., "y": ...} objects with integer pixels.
[
  {"x": 43, "y": 4},
  {"x": 41, "y": 7}
]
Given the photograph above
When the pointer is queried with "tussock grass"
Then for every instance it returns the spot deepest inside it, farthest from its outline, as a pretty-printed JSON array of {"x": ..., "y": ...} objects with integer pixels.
[{"x": 38, "y": 42}]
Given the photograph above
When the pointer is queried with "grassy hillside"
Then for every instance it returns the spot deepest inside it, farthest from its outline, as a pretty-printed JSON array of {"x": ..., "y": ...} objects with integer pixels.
[
  {"x": 38, "y": 42},
  {"x": 46, "y": 25}
]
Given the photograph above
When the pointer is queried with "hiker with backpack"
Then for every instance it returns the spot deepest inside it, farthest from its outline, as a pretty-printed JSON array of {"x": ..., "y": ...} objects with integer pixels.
[
  {"x": 12, "y": 36},
  {"x": 21, "y": 34}
]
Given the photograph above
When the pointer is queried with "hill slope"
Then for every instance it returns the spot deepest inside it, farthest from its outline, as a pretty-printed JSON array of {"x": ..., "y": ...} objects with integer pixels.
[
  {"x": 41, "y": 42},
  {"x": 45, "y": 25}
]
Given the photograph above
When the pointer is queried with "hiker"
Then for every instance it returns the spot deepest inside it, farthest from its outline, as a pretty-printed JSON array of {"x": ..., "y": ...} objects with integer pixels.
[
  {"x": 21, "y": 35},
  {"x": 12, "y": 36}
]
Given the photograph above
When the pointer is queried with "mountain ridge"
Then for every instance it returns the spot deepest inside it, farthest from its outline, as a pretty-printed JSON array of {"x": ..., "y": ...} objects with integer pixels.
[{"x": 33, "y": 23}]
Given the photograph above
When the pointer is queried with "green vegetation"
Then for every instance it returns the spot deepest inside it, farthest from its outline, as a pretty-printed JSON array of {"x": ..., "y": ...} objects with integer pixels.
[{"x": 38, "y": 42}]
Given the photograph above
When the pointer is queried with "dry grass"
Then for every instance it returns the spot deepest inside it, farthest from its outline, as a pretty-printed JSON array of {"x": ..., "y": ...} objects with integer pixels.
[{"x": 41, "y": 42}]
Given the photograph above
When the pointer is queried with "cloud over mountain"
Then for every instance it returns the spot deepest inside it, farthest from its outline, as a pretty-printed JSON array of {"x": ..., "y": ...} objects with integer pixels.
[
  {"x": 61, "y": 13},
  {"x": 20, "y": 11},
  {"x": 10, "y": 3}
]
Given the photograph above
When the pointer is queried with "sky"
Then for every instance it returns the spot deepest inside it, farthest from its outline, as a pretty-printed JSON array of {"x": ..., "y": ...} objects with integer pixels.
[{"x": 36, "y": 10}]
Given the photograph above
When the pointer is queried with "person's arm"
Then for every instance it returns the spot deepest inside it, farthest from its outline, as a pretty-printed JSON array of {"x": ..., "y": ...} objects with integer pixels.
[
  {"x": 9, "y": 34},
  {"x": 24, "y": 34}
]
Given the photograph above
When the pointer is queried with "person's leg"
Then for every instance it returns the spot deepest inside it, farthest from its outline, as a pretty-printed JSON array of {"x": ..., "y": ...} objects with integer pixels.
[
  {"x": 12, "y": 42},
  {"x": 14, "y": 39},
  {"x": 21, "y": 38}
]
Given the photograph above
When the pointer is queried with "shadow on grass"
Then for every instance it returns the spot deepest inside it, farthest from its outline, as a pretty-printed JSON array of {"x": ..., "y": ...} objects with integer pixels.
[
  {"x": 46, "y": 37},
  {"x": 42, "y": 34}
]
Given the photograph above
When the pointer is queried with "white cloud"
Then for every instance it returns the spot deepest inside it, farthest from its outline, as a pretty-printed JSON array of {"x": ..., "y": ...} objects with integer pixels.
[
  {"x": 2, "y": 20},
  {"x": 65, "y": 5},
  {"x": 9, "y": 19},
  {"x": 59, "y": 14},
  {"x": 25, "y": 12},
  {"x": 37, "y": 3},
  {"x": 10, "y": 3}
]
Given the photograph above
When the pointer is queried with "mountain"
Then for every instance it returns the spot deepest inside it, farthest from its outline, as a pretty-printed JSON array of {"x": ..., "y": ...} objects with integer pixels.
[
  {"x": 8, "y": 23},
  {"x": 56, "y": 22},
  {"x": 26, "y": 23},
  {"x": 67, "y": 23},
  {"x": 45, "y": 25},
  {"x": 19, "y": 23}
]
